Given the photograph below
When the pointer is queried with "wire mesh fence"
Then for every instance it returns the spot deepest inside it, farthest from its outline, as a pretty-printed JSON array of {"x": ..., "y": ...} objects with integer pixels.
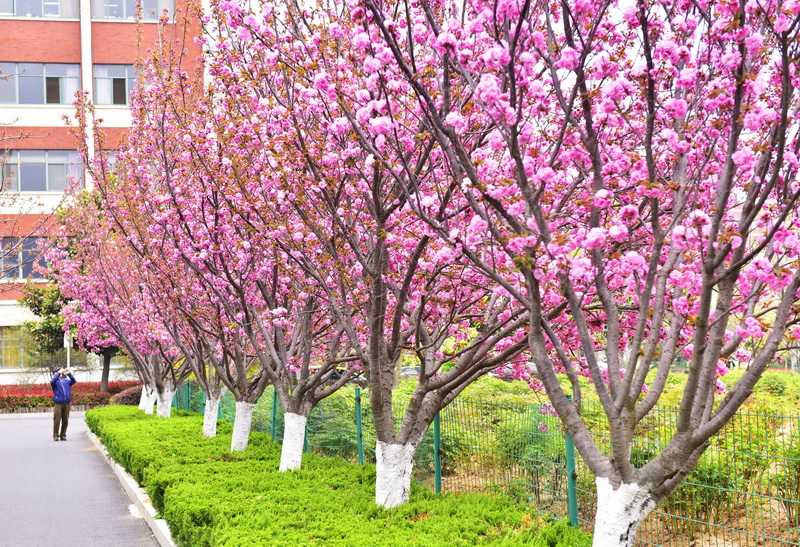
[{"x": 745, "y": 490}]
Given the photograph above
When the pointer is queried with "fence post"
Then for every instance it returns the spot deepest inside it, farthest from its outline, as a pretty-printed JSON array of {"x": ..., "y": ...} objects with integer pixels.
[
  {"x": 437, "y": 454},
  {"x": 572, "y": 494},
  {"x": 359, "y": 430},
  {"x": 274, "y": 412}
]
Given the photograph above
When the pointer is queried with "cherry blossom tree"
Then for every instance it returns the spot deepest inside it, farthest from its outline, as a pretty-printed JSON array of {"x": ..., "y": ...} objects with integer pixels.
[
  {"x": 392, "y": 286},
  {"x": 635, "y": 162},
  {"x": 108, "y": 302},
  {"x": 228, "y": 294}
]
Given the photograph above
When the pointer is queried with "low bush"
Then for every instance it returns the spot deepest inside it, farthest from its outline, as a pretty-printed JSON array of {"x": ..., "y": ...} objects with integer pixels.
[
  {"x": 210, "y": 496},
  {"x": 787, "y": 480},
  {"x": 706, "y": 494},
  {"x": 41, "y": 395},
  {"x": 80, "y": 387},
  {"x": 130, "y": 396}
]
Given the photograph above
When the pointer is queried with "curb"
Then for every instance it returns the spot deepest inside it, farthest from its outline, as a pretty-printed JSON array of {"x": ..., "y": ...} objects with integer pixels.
[
  {"x": 137, "y": 495},
  {"x": 42, "y": 410},
  {"x": 49, "y": 415}
]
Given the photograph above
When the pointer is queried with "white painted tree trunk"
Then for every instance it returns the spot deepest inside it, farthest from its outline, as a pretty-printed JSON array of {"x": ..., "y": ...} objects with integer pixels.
[
  {"x": 620, "y": 512},
  {"x": 165, "y": 403},
  {"x": 294, "y": 435},
  {"x": 241, "y": 426},
  {"x": 394, "y": 465},
  {"x": 147, "y": 400},
  {"x": 210, "y": 417}
]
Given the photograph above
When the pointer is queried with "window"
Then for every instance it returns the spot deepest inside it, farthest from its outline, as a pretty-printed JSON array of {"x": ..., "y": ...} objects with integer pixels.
[
  {"x": 62, "y": 9},
  {"x": 20, "y": 257},
  {"x": 151, "y": 10},
  {"x": 113, "y": 83},
  {"x": 41, "y": 170},
  {"x": 37, "y": 83},
  {"x": 12, "y": 347}
]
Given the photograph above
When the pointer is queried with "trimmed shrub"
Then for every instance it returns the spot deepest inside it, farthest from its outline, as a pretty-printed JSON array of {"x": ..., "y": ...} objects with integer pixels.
[
  {"x": 41, "y": 395},
  {"x": 130, "y": 396},
  {"x": 210, "y": 496}
]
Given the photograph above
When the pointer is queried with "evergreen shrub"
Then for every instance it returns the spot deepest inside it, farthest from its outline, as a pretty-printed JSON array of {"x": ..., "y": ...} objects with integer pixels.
[
  {"x": 210, "y": 496},
  {"x": 130, "y": 396}
]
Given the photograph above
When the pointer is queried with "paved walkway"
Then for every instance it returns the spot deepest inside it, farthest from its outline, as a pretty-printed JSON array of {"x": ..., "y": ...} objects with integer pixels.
[{"x": 61, "y": 494}]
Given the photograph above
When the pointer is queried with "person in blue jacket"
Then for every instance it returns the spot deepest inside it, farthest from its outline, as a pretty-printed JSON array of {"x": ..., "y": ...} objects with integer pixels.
[{"x": 61, "y": 383}]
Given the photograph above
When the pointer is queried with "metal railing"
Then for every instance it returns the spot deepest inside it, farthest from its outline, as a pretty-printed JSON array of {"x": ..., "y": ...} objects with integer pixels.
[{"x": 745, "y": 490}]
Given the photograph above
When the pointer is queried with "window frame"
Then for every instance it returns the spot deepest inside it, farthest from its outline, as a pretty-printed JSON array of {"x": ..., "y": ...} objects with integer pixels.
[
  {"x": 129, "y": 80},
  {"x": 128, "y": 10},
  {"x": 12, "y": 78},
  {"x": 63, "y": 6},
  {"x": 13, "y": 158},
  {"x": 26, "y": 254},
  {"x": 11, "y": 337}
]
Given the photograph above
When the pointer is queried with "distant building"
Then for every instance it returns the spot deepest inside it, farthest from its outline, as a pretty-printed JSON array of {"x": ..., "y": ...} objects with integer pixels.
[{"x": 48, "y": 50}]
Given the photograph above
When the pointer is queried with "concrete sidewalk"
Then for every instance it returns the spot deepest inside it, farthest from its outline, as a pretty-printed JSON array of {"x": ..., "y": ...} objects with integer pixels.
[{"x": 61, "y": 494}]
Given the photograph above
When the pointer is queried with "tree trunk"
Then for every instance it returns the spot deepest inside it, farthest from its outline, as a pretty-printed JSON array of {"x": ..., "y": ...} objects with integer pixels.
[
  {"x": 241, "y": 426},
  {"x": 210, "y": 417},
  {"x": 165, "y": 403},
  {"x": 620, "y": 512},
  {"x": 294, "y": 435},
  {"x": 393, "y": 480},
  {"x": 106, "y": 370},
  {"x": 147, "y": 400}
]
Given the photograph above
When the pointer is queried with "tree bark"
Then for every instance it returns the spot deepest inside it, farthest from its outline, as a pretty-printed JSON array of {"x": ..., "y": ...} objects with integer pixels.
[
  {"x": 147, "y": 400},
  {"x": 620, "y": 512},
  {"x": 293, "y": 439},
  {"x": 393, "y": 481},
  {"x": 165, "y": 403},
  {"x": 210, "y": 416},
  {"x": 106, "y": 371},
  {"x": 241, "y": 426}
]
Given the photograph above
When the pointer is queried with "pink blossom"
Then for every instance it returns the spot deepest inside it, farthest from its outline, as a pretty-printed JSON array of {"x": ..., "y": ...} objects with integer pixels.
[
  {"x": 457, "y": 121},
  {"x": 628, "y": 215},
  {"x": 488, "y": 89},
  {"x": 381, "y": 125},
  {"x": 618, "y": 232},
  {"x": 595, "y": 238},
  {"x": 444, "y": 41},
  {"x": 567, "y": 59},
  {"x": 322, "y": 81},
  {"x": 602, "y": 198},
  {"x": 362, "y": 41},
  {"x": 782, "y": 23},
  {"x": 753, "y": 43},
  {"x": 676, "y": 108}
]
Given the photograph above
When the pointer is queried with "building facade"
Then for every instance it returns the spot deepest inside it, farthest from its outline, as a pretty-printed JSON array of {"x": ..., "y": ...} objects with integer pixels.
[{"x": 49, "y": 49}]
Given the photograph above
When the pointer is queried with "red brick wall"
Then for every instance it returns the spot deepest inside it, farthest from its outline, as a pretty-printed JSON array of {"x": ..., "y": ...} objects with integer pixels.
[
  {"x": 13, "y": 291},
  {"x": 116, "y": 42},
  {"x": 52, "y": 41},
  {"x": 38, "y": 138},
  {"x": 40, "y": 41},
  {"x": 52, "y": 138},
  {"x": 123, "y": 43}
]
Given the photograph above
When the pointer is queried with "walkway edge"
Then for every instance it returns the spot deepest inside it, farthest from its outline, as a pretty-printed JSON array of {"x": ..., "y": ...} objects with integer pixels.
[{"x": 137, "y": 495}]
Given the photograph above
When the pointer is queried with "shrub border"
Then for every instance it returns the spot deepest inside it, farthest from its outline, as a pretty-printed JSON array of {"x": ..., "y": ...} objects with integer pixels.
[
  {"x": 46, "y": 409},
  {"x": 137, "y": 495}
]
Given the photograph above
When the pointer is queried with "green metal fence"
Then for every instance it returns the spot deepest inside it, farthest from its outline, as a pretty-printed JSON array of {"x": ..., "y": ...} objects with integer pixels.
[{"x": 745, "y": 490}]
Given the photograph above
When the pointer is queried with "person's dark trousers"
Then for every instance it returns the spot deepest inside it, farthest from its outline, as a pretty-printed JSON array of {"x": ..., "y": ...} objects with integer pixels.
[{"x": 60, "y": 418}]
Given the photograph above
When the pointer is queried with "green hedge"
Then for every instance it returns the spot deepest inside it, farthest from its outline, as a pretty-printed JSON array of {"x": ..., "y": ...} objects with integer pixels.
[{"x": 210, "y": 496}]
